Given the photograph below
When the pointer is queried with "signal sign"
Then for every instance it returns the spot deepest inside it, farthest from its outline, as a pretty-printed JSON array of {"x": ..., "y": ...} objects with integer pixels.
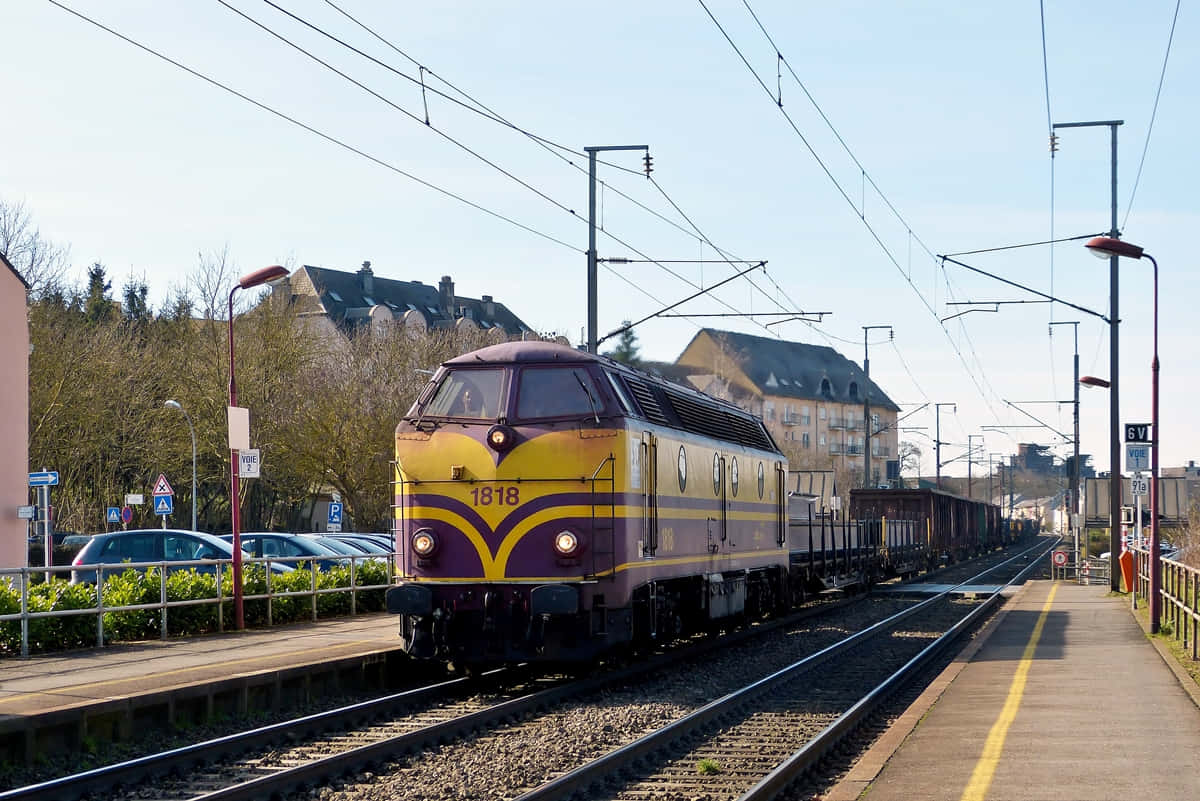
[{"x": 1137, "y": 432}]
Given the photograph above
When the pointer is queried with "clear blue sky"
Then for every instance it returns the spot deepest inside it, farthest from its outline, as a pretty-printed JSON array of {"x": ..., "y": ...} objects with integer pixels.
[{"x": 139, "y": 165}]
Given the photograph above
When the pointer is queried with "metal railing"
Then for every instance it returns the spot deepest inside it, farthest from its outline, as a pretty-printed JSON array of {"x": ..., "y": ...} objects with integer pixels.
[{"x": 22, "y": 579}]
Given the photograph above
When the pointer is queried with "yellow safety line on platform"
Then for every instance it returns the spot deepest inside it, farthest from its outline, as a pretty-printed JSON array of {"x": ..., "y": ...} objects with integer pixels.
[
  {"x": 985, "y": 769},
  {"x": 193, "y": 669}
]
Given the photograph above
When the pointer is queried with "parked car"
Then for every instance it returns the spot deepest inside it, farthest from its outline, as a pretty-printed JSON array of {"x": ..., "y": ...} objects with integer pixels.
[
  {"x": 150, "y": 545},
  {"x": 292, "y": 547},
  {"x": 362, "y": 543},
  {"x": 383, "y": 540},
  {"x": 360, "y": 550}
]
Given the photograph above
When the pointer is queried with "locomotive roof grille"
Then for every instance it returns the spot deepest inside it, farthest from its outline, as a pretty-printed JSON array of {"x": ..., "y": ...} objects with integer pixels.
[
  {"x": 711, "y": 420},
  {"x": 646, "y": 400}
]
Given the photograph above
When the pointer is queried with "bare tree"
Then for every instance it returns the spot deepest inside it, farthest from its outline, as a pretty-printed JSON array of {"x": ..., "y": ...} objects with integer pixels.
[{"x": 40, "y": 262}]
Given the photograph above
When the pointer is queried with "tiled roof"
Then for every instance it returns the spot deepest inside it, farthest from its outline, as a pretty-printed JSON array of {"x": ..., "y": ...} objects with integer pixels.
[
  {"x": 797, "y": 370},
  {"x": 347, "y": 297}
]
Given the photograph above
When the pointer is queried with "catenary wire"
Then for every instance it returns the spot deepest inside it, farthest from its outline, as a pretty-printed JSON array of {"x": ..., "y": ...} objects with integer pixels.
[
  {"x": 315, "y": 131},
  {"x": 820, "y": 162},
  {"x": 490, "y": 115},
  {"x": 1154, "y": 112}
]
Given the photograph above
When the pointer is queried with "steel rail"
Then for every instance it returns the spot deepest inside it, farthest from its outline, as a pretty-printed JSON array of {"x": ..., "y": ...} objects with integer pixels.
[
  {"x": 596, "y": 772},
  {"x": 182, "y": 759}
]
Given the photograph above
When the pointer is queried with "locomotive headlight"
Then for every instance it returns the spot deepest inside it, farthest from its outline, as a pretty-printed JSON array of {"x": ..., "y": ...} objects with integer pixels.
[
  {"x": 500, "y": 438},
  {"x": 566, "y": 543},
  {"x": 424, "y": 542}
]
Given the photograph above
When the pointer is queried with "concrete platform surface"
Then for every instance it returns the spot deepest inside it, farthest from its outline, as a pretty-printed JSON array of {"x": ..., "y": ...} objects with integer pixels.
[
  {"x": 45, "y": 683},
  {"x": 1064, "y": 697}
]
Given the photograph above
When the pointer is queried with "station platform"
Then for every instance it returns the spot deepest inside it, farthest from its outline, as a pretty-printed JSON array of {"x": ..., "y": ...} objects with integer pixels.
[
  {"x": 59, "y": 701},
  {"x": 1062, "y": 697}
]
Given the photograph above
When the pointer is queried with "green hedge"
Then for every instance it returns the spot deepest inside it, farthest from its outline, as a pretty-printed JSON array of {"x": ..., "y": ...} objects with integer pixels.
[{"x": 133, "y": 587}]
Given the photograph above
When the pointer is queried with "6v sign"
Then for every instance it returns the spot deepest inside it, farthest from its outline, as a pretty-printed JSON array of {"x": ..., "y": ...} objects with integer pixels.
[{"x": 1137, "y": 432}]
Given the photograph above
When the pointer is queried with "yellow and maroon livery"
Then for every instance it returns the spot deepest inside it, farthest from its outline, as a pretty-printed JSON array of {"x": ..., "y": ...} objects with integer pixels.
[{"x": 553, "y": 505}]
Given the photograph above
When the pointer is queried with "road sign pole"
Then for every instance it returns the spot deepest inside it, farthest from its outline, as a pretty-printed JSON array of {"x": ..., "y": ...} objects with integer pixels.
[{"x": 48, "y": 538}]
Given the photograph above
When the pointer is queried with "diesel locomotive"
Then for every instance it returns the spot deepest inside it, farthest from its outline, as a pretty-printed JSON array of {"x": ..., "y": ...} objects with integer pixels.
[
  {"x": 555, "y": 505},
  {"x": 552, "y": 505}
]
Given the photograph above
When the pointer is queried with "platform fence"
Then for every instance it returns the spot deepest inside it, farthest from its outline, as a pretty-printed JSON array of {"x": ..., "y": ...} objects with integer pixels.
[{"x": 21, "y": 579}]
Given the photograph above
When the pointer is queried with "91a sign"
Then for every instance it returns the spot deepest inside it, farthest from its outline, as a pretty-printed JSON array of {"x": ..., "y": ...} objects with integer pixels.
[{"x": 1137, "y": 432}]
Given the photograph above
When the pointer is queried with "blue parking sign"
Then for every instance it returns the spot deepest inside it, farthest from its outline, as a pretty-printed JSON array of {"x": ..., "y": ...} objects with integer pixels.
[
  {"x": 114, "y": 514},
  {"x": 335, "y": 513}
]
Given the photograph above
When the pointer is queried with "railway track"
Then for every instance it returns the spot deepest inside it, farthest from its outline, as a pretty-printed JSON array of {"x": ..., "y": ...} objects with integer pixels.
[{"x": 504, "y": 734}]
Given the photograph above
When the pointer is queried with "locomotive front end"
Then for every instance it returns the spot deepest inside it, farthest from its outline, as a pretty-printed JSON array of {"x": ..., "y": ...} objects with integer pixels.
[{"x": 504, "y": 507}]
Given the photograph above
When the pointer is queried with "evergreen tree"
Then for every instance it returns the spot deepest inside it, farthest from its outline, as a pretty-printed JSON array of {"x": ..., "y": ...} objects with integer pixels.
[
  {"x": 626, "y": 350},
  {"x": 98, "y": 306},
  {"x": 136, "y": 309}
]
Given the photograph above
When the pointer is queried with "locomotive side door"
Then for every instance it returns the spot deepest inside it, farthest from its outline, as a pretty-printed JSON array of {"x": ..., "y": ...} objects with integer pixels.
[
  {"x": 721, "y": 486},
  {"x": 648, "y": 471}
]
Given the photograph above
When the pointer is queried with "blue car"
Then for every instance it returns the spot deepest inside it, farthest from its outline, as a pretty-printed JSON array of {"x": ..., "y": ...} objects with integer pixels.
[{"x": 151, "y": 545}]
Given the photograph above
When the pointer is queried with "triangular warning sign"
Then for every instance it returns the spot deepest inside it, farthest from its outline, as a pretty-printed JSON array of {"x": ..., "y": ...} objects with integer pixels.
[
  {"x": 162, "y": 505},
  {"x": 162, "y": 487}
]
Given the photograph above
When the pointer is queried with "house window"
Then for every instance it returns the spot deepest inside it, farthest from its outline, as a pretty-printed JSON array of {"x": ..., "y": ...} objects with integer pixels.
[
  {"x": 874, "y": 423},
  {"x": 821, "y": 441},
  {"x": 874, "y": 447},
  {"x": 804, "y": 440},
  {"x": 826, "y": 388},
  {"x": 805, "y": 417},
  {"x": 769, "y": 408},
  {"x": 854, "y": 389},
  {"x": 820, "y": 412}
]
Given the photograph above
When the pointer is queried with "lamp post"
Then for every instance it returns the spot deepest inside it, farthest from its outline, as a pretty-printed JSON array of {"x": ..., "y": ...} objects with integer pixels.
[
  {"x": 174, "y": 404},
  {"x": 247, "y": 281},
  {"x": 1103, "y": 246},
  {"x": 937, "y": 439},
  {"x": 867, "y": 404}
]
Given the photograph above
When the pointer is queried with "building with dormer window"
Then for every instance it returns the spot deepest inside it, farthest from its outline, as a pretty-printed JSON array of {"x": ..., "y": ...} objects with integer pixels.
[
  {"x": 347, "y": 301},
  {"x": 811, "y": 397}
]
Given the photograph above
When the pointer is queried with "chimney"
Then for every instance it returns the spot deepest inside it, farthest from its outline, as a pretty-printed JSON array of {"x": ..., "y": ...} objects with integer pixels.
[
  {"x": 446, "y": 296},
  {"x": 489, "y": 307},
  {"x": 366, "y": 278}
]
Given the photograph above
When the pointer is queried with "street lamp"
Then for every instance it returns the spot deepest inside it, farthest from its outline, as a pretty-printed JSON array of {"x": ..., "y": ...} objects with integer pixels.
[
  {"x": 247, "y": 281},
  {"x": 174, "y": 404},
  {"x": 1105, "y": 246}
]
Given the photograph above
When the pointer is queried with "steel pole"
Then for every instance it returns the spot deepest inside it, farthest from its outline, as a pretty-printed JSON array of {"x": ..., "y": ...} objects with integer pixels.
[
  {"x": 1155, "y": 562},
  {"x": 593, "y": 336},
  {"x": 866, "y": 413},
  {"x": 592, "y": 281},
  {"x": 234, "y": 499},
  {"x": 1114, "y": 398}
]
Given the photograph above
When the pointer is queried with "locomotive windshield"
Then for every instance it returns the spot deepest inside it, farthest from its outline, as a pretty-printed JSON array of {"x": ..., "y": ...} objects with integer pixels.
[
  {"x": 475, "y": 393},
  {"x": 556, "y": 392}
]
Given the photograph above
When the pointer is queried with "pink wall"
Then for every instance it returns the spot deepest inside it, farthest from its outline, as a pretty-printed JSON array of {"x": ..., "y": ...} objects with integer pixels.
[{"x": 14, "y": 415}]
